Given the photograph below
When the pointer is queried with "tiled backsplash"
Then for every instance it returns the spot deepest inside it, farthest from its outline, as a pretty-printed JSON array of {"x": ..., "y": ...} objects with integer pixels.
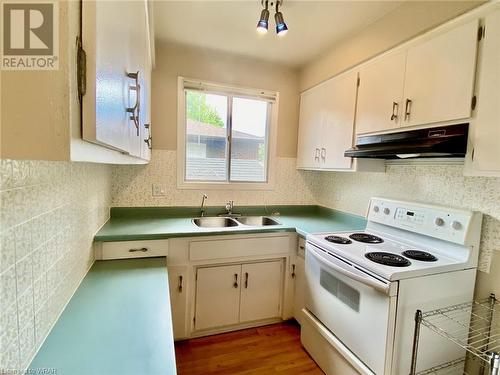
[
  {"x": 443, "y": 184},
  {"x": 50, "y": 212},
  {"x": 132, "y": 186}
]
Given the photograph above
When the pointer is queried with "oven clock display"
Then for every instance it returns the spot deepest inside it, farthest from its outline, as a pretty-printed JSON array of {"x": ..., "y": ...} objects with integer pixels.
[{"x": 405, "y": 215}]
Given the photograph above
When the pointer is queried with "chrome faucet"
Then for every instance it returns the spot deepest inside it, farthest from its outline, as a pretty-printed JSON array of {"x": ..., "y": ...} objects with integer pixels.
[
  {"x": 202, "y": 207},
  {"x": 229, "y": 207}
]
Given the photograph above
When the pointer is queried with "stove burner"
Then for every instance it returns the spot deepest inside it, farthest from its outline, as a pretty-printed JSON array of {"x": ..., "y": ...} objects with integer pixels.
[
  {"x": 338, "y": 239},
  {"x": 365, "y": 237},
  {"x": 419, "y": 255},
  {"x": 388, "y": 259}
]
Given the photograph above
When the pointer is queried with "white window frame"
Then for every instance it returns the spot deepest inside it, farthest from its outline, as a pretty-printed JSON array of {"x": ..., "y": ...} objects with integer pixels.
[{"x": 272, "y": 96}]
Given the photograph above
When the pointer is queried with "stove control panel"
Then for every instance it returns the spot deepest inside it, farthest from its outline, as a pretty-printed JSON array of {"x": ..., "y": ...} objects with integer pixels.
[
  {"x": 409, "y": 216},
  {"x": 448, "y": 224}
]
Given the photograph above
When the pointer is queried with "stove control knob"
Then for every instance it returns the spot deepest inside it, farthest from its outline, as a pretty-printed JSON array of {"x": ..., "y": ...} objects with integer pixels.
[
  {"x": 456, "y": 225},
  {"x": 376, "y": 209},
  {"x": 439, "y": 221},
  {"x": 387, "y": 211}
]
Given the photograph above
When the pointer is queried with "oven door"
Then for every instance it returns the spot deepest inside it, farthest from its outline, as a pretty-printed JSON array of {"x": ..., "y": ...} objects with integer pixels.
[{"x": 357, "y": 307}]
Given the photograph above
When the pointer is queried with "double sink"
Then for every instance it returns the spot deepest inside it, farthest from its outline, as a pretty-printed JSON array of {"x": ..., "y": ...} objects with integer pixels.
[{"x": 227, "y": 222}]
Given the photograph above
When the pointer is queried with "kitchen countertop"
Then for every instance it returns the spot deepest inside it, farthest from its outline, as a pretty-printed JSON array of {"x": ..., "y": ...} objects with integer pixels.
[
  {"x": 150, "y": 223},
  {"x": 111, "y": 326}
]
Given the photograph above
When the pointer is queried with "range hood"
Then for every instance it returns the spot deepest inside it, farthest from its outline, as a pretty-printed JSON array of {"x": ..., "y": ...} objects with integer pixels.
[{"x": 440, "y": 142}]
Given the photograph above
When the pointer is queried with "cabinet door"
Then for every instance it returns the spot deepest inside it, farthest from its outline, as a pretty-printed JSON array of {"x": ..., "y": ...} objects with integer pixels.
[
  {"x": 298, "y": 295},
  {"x": 339, "y": 106},
  {"x": 178, "y": 291},
  {"x": 260, "y": 291},
  {"x": 217, "y": 296},
  {"x": 486, "y": 125},
  {"x": 380, "y": 93},
  {"x": 105, "y": 120},
  {"x": 138, "y": 61},
  {"x": 310, "y": 124},
  {"x": 439, "y": 77}
]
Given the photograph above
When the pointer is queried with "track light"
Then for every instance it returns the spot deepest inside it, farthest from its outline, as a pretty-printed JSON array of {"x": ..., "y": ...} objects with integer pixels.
[
  {"x": 263, "y": 23},
  {"x": 281, "y": 28}
]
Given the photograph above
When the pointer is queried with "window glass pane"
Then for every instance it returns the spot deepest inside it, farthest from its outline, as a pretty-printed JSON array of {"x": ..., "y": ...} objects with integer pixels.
[
  {"x": 206, "y": 136},
  {"x": 249, "y": 140}
]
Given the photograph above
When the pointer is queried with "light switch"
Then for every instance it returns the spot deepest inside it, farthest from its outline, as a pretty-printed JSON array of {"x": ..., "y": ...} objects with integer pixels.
[{"x": 158, "y": 190}]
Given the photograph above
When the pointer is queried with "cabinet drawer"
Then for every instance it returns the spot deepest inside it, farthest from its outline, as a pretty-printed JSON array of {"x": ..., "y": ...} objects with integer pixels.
[
  {"x": 131, "y": 249},
  {"x": 238, "y": 247}
]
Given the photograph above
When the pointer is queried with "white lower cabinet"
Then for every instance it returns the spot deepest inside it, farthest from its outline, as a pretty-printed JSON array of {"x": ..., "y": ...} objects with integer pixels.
[
  {"x": 260, "y": 291},
  {"x": 231, "y": 294},
  {"x": 177, "y": 280},
  {"x": 217, "y": 296}
]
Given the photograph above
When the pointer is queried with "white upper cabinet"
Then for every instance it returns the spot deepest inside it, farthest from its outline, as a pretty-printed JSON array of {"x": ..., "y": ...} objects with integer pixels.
[
  {"x": 339, "y": 106},
  {"x": 310, "y": 127},
  {"x": 380, "y": 94},
  {"x": 439, "y": 79},
  {"x": 116, "y": 104},
  {"x": 326, "y": 125},
  {"x": 484, "y": 152}
]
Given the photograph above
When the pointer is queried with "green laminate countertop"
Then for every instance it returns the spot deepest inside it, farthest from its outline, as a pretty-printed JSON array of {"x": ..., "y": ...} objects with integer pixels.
[
  {"x": 150, "y": 223},
  {"x": 117, "y": 323}
]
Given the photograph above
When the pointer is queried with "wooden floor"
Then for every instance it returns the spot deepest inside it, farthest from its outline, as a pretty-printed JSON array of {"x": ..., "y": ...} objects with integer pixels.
[{"x": 273, "y": 349}]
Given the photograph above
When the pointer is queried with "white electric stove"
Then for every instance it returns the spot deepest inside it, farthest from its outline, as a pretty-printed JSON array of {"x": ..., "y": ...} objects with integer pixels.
[{"x": 363, "y": 288}]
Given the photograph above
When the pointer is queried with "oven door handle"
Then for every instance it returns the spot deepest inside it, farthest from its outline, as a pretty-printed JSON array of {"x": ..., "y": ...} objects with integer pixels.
[{"x": 364, "y": 279}]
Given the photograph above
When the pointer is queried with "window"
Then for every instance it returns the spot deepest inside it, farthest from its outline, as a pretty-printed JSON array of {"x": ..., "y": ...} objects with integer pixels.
[{"x": 226, "y": 134}]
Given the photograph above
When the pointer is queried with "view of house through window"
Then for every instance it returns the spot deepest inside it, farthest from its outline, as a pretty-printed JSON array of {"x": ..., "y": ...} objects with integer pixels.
[{"x": 226, "y": 138}]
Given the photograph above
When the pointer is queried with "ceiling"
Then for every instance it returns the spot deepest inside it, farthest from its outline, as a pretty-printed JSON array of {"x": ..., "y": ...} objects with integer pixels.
[{"x": 231, "y": 26}]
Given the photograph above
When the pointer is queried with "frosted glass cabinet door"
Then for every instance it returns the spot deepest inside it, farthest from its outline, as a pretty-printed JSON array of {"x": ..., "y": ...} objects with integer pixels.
[
  {"x": 380, "y": 93},
  {"x": 138, "y": 61},
  {"x": 115, "y": 37},
  {"x": 107, "y": 44},
  {"x": 310, "y": 126},
  {"x": 439, "y": 79}
]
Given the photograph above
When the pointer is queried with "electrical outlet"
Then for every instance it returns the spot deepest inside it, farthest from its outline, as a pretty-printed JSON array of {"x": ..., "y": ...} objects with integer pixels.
[{"x": 158, "y": 190}]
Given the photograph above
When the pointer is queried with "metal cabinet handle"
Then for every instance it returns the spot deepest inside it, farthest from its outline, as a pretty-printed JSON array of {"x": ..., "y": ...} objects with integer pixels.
[
  {"x": 301, "y": 247},
  {"x": 293, "y": 271},
  {"x": 179, "y": 287},
  {"x": 149, "y": 139},
  {"x": 395, "y": 110},
  {"x": 235, "y": 285},
  {"x": 142, "y": 250},
  {"x": 408, "y": 109},
  {"x": 134, "y": 111},
  {"x": 316, "y": 155},
  {"x": 323, "y": 154},
  {"x": 246, "y": 280}
]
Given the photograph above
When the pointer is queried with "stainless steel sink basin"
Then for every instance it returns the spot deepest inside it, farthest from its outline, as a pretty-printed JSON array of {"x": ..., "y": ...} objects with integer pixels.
[
  {"x": 257, "y": 221},
  {"x": 215, "y": 222}
]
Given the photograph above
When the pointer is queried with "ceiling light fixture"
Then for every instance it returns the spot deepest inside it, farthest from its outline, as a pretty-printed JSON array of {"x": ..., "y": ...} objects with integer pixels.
[
  {"x": 281, "y": 28},
  {"x": 263, "y": 23}
]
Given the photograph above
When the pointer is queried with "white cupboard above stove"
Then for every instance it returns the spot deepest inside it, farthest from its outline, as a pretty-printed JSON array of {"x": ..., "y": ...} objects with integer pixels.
[{"x": 431, "y": 81}]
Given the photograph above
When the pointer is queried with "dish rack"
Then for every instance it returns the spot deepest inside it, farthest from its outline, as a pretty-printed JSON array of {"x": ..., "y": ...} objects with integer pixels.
[{"x": 474, "y": 326}]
